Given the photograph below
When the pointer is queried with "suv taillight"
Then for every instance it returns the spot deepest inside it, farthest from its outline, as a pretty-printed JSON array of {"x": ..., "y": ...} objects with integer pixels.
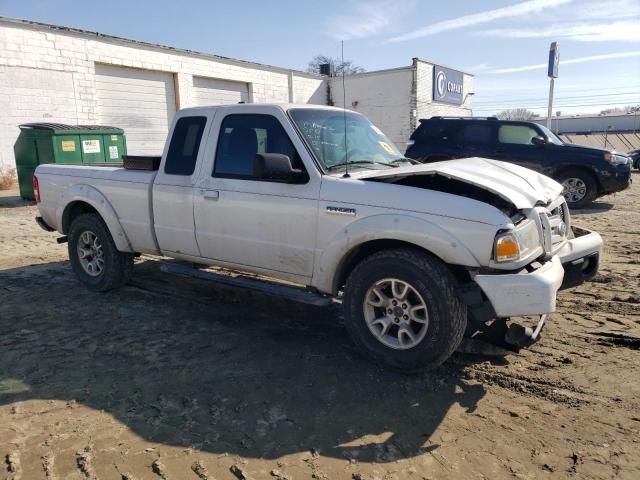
[{"x": 36, "y": 189}]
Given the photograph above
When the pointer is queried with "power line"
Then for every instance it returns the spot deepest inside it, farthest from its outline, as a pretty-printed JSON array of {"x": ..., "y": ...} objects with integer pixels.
[
  {"x": 534, "y": 99},
  {"x": 572, "y": 90}
]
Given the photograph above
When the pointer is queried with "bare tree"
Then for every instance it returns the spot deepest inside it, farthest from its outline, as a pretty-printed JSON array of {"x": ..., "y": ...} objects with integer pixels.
[
  {"x": 621, "y": 110},
  {"x": 516, "y": 114},
  {"x": 348, "y": 67}
]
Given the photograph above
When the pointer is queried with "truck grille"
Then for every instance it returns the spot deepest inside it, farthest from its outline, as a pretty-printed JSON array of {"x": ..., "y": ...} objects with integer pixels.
[{"x": 555, "y": 224}]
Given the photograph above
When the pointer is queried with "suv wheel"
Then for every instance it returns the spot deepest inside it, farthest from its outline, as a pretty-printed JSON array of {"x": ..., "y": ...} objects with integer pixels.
[
  {"x": 401, "y": 310},
  {"x": 579, "y": 188}
]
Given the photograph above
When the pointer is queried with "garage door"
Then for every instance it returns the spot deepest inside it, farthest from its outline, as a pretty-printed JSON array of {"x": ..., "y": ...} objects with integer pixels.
[
  {"x": 211, "y": 91},
  {"x": 142, "y": 102},
  {"x": 32, "y": 95}
]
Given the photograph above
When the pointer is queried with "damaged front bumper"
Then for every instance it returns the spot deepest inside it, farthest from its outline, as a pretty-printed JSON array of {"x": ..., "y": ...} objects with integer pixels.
[
  {"x": 533, "y": 289},
  {"x": 580, "y": 257}
]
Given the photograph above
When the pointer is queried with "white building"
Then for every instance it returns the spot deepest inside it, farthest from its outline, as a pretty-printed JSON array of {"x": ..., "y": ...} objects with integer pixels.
[
  {"x": 396, "y": 99},
  {"x": 50, "y": 73}
]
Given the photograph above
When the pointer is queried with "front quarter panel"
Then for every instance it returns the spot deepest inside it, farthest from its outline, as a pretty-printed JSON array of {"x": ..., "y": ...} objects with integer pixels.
[{"x": 344, "y": 225}]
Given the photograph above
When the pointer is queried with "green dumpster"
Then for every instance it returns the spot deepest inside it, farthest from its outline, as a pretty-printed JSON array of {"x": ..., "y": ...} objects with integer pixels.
[{"x": 40, "y": 143}]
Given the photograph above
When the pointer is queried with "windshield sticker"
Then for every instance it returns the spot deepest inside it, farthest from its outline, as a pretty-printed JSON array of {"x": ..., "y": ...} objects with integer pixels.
[{"x": 388, "y": 148}]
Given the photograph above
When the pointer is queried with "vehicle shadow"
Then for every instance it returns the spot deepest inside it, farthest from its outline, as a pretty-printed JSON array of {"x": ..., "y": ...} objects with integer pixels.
[
  {"x": 593, "y": 208},
  {"x": 184, "y": 362},
  {"x": 9, "y": 200}
]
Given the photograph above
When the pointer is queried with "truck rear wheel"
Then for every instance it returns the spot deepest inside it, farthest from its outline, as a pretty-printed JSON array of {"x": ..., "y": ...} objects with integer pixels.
[
  {"x": 94, "y": 257},
  {"x": 401, "y": 310}
]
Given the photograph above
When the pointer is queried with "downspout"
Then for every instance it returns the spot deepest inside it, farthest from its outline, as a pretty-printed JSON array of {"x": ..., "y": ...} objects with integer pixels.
[
  {"x": 413, "y": 97},
  {"x": 329, "y": 93},
  {"x": 291, "y": 97}
]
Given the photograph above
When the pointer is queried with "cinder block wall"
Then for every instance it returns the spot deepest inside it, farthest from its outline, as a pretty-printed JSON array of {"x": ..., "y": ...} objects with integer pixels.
[
  {"x": 383, "y": 96},
  {"x": 394, "y": 100},
  {"x": 47, "y": 74}
]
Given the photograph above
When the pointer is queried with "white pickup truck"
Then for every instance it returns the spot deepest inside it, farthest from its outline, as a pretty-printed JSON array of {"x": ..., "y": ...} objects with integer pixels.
[{"x": 319, "y": 197}]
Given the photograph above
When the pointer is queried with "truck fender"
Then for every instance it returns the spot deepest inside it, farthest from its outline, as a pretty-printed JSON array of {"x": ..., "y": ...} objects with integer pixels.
[
  {"x": 95, "y": 198},
  {"x": 406, "y": 228}
]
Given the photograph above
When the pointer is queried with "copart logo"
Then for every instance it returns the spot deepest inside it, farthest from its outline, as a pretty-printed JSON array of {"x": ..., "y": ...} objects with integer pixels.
[{"x": 441, "y": 81}]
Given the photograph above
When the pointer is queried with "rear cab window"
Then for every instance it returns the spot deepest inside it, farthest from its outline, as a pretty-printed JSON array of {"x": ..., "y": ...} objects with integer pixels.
[{"x": 184, "y": 146}]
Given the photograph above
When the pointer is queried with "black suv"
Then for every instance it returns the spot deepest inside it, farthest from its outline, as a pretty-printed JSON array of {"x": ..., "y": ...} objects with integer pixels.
[{"x": 585, "y": 172}]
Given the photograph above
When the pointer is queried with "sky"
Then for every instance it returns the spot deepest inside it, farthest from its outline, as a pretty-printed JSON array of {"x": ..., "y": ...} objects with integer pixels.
[{"x": 504, "y": 43}]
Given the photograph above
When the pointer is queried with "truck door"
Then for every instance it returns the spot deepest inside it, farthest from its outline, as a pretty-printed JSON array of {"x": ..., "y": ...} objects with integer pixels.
[
  {"x": 515, "y": 146},
  {"x": 173, "y": 188},
  {"x": 250, "y": 222}
]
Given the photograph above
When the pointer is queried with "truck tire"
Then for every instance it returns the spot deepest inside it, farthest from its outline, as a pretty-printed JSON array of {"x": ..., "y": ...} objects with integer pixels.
[
  {"x": 580, "y": 188},
  {"x": 94, "y": 257},
  {"x": 402, "y": 311}
]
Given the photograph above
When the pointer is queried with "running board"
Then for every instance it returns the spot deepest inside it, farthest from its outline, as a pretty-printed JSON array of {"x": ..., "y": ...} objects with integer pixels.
[{"x": 296, "y": 294}]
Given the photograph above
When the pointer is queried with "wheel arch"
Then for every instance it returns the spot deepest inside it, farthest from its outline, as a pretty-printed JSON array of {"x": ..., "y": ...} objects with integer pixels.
[
  {"x": 379, "y": 232},
  {"x": 80, "y": 199},
  {"x": 366, "y": 249},
  {"x": 581, "y": 168}
]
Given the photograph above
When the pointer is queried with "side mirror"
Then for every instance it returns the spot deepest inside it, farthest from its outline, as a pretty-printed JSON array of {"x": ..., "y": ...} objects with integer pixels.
[
  {"x": 275, "y": 166},
  {"x": 540, "y": 141}
]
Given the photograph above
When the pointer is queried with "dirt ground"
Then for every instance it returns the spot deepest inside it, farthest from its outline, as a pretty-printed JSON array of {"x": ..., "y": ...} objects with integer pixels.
[{"x": 170, "y": 378}]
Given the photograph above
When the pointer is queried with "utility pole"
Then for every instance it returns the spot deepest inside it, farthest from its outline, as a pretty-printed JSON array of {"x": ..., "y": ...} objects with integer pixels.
[{"x": 552, "y": 73}]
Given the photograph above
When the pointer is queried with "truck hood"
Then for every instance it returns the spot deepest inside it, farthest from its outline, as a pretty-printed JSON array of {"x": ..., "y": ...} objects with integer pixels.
[{"x": 519, "y": 186}]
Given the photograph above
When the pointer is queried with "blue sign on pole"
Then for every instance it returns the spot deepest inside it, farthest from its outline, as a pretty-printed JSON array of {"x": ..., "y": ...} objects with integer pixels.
[
  {"x": 554, "y": 60},
  {"x": 447, "y": 85}
]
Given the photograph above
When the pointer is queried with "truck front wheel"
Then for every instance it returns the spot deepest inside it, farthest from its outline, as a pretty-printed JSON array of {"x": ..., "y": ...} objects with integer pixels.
[
  {"x": 94, "y": 257},
  {"x": 401, "y": 310}
]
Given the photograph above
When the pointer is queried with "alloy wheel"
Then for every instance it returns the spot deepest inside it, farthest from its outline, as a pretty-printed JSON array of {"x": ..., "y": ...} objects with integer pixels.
[{"x": 396, "y": 313}]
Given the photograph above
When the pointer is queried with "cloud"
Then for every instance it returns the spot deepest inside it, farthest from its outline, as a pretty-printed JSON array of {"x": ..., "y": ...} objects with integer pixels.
[
  {"x": 517, "y": 10},
  {"x": 607, "y": 10},
  {"x": 624, "y": 31},
  {"x": 481, "y": 67},
  {"x": 365, "y": 19},
  {"x": 592, "y": 58}
]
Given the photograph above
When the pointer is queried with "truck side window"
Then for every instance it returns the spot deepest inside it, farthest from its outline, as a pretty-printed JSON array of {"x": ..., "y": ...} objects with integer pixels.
[
  {"x": 184, "y": 146},
  {"x": 518, "y": 134},
  {"x": 242, "y": 137}
]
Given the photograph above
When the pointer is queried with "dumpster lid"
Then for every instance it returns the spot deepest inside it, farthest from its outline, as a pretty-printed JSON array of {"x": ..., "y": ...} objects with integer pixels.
[{"x": 69, "y": 129}]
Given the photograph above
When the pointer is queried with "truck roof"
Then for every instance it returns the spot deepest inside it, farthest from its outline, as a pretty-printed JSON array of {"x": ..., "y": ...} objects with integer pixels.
[{"x": 261, "y": 106}]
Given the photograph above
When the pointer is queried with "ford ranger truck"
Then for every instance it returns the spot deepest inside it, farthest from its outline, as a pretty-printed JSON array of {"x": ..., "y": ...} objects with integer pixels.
[{"x": 418, "y": 254}]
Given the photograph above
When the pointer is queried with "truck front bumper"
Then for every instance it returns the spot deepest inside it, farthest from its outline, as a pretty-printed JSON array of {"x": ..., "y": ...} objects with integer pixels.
[{"x": 533, "y": 290}]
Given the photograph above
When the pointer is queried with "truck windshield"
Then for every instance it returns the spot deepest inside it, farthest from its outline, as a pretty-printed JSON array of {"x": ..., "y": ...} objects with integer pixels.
[
  {"x": 366, "y": 146},
  {"x": 553, "y": 138}
]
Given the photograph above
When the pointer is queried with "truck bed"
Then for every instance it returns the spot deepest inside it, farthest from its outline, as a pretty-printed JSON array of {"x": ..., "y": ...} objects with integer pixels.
[{"x": 127, "y": 191}]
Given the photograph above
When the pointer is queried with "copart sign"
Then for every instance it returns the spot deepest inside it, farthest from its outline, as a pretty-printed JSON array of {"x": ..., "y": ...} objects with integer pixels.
[{"x": 447, "y": 85}]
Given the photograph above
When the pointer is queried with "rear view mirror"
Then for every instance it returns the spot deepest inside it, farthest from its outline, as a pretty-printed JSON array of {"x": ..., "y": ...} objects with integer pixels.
[
  {"x": 539, "y": 141},
  {"x": 275, "y": 166}
]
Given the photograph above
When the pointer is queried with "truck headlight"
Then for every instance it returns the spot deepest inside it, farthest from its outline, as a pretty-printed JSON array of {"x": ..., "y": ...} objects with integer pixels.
[{"x": 517, "y": 243}]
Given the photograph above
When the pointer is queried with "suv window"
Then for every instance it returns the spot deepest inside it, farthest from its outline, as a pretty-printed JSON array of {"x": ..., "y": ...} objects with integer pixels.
[
  {"x": 431, "y": 130},
  {"x": 243, "y": 136},
  {"x": 184, "y": 146},
  {"x": 518, "y": 134},
  {"x": 474, "y": 133}
]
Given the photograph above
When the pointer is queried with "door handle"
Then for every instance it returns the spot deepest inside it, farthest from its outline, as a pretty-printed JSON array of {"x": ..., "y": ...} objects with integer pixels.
[{"x": 211, "y": 194}]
